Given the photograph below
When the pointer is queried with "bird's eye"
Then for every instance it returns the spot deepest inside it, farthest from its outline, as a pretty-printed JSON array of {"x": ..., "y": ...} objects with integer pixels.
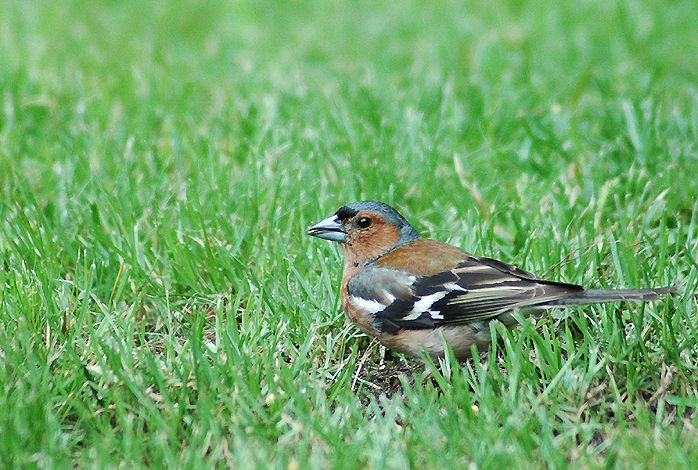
[{"x": 364, "y": 222}]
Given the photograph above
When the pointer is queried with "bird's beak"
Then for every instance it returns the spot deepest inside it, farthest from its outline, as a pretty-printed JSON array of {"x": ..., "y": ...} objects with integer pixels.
[{"x": 329, "y": 229}]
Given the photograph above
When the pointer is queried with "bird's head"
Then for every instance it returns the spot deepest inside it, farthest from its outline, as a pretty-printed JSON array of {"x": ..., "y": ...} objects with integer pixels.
[{"x": 365, "y": 230}]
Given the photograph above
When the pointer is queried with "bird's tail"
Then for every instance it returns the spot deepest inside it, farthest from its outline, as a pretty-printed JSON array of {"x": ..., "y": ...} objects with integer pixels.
[{"x": 600, "y": 296}]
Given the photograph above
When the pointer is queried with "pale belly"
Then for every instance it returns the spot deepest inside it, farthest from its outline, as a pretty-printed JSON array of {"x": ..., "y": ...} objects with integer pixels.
[{"x": 434, "y": 341}]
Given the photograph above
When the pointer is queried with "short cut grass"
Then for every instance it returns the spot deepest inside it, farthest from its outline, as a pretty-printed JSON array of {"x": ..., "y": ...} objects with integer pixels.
[{"x": 161, "y": 305}]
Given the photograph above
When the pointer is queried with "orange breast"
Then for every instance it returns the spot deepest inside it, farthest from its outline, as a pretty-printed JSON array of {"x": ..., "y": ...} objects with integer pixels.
[{"x": 359, "y": 317}]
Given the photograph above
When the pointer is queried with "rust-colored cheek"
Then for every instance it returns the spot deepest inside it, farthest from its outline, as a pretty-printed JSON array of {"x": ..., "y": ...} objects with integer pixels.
[{"x": 365, "y": 245}]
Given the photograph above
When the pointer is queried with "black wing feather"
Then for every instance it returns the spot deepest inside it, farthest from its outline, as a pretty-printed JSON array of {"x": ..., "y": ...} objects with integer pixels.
[{"x": 476, "y": 289}]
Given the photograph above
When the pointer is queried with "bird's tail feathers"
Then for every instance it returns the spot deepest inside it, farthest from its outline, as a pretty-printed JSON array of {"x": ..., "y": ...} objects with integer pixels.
[{"x": 599, "y": 296}]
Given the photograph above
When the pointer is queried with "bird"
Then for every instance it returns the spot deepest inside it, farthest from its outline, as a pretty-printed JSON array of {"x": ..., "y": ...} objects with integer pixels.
[{"x": 420, "y": 296}]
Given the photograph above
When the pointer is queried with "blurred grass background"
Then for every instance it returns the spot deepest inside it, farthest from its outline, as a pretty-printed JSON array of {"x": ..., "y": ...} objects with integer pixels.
[{"x": 160, "y": 161}]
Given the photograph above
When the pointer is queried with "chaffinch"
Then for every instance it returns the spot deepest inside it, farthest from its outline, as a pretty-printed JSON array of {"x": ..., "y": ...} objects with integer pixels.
[{"x": 417, "y": 295}]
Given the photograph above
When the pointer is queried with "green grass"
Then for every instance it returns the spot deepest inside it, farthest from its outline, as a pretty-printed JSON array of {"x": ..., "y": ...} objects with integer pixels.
[{"x": 161, "y": 305}]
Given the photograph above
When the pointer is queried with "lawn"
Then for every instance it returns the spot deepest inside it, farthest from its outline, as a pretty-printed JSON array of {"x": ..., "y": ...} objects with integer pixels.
[{"x": 162, "y": 306}]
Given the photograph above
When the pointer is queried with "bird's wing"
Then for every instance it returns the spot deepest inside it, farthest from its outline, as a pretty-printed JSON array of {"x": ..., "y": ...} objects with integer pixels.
[{"x": 475, "y": 289}]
